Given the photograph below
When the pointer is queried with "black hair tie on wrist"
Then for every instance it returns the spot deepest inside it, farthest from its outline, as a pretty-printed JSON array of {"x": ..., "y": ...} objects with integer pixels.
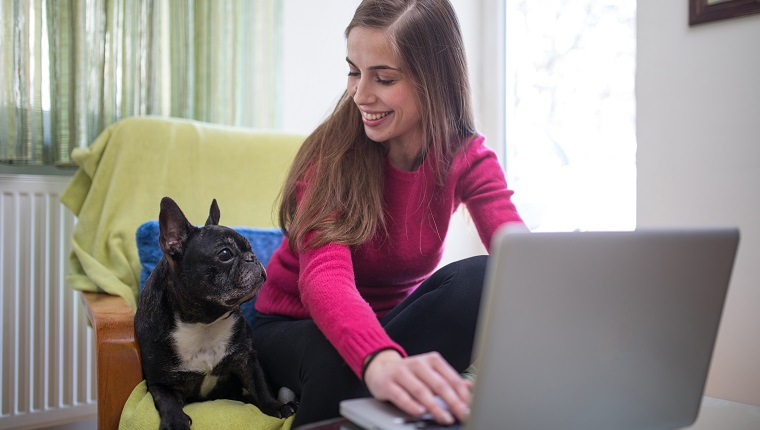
[{"x": 369, "y": 359}]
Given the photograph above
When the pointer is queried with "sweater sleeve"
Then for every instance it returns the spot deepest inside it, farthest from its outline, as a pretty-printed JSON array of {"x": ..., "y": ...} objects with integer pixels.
[
  {"x": 328, "y": 291},
  {"x": 482, "y": 187}
]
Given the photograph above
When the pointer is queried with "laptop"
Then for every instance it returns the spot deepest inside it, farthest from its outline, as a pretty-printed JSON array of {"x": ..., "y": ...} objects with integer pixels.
[{"x": 590, "y": 330}]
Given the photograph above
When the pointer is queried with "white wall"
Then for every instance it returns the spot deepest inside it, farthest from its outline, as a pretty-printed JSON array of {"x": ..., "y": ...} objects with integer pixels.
[
  {"x": 698, "y": 118},
  {"x": 314, "y": 67}
]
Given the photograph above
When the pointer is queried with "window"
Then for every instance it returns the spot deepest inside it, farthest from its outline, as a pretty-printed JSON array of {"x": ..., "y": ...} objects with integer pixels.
[{"x": 570, "y": 113}]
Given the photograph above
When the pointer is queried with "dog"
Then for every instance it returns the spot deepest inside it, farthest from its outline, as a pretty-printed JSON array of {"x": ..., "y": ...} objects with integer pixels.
[{"x": 194, "y": 341}]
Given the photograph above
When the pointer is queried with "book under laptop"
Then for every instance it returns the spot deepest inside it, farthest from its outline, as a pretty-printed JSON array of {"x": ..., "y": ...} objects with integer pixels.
[{"x": 591, "y": 330}]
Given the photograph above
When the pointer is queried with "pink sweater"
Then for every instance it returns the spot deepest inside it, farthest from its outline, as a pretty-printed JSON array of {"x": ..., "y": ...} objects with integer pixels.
[{"x": 345, "y": 289}]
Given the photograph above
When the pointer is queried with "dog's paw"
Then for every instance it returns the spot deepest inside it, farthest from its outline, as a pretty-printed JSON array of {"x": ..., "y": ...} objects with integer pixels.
[
  {"x": 278, "y": 409},
  {"x": 179, "y": 421},
  {"x": 293, "y": 405}
]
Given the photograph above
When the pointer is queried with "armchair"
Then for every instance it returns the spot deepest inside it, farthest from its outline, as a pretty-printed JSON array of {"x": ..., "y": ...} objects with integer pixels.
[{"x": 119, "y": 184}]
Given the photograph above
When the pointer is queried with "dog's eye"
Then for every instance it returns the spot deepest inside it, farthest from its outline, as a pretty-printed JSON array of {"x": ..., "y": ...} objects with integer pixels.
[{"x": 225, "y": 254}]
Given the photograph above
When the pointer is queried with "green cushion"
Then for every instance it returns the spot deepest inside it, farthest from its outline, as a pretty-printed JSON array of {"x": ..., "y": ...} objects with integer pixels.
[{"x": 140, "y": 413}]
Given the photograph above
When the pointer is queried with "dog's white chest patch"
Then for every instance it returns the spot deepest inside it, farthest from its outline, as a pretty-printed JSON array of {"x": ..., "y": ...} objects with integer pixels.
[{"x": 202, "y": 346}]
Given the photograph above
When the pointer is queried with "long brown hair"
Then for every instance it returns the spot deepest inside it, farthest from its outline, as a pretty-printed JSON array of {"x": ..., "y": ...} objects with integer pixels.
[{"x": 342, "y": 167}]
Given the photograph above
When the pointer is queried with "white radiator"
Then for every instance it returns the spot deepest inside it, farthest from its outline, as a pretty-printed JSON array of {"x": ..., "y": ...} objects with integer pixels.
[{"x": 48, "y": 351}]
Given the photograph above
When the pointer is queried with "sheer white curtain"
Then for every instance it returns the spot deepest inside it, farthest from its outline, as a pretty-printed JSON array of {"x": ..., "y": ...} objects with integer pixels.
[{"x": 70, "y": 68}]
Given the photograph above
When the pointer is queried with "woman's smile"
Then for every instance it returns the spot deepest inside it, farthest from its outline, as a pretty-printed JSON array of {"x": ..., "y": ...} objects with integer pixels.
[{"x": 373, "y": 119}]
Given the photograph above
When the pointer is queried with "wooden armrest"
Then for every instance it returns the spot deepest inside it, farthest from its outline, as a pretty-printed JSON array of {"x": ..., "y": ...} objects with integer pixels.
[{"x": 118, "y": 356}]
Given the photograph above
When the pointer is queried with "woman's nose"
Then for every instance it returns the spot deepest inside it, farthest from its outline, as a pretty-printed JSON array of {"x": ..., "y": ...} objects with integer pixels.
[{"x": 361, "y": 93}]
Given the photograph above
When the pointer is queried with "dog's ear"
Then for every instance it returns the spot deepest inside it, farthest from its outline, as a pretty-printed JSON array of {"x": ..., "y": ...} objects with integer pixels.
[
  {"x": 173, "y": 227},
  {"x": 213, "y": 214}
]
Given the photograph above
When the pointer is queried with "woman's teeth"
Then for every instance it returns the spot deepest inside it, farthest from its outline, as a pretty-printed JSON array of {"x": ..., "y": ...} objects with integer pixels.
[{"x": 374, "y": 116}]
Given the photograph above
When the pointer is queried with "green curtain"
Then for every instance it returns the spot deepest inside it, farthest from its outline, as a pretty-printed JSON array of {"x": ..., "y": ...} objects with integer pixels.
[{"x": 70, "y": 68}]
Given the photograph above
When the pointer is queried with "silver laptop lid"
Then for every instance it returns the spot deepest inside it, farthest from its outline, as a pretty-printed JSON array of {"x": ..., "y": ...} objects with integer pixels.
[{"x": 599, "y": 330}]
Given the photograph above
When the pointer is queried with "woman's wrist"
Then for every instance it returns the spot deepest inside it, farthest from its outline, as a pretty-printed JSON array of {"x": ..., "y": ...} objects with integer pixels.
[{"x": 370, "y": 358}]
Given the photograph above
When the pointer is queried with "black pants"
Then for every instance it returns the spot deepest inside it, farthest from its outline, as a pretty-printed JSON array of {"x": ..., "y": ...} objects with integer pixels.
[{"x": 439, "y": 316}]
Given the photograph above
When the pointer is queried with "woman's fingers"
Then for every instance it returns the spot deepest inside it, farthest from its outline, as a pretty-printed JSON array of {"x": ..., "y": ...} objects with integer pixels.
[
  {"x": 419, "y": 384},
  {"x": 446, "y": 384},
  {"x": 404, "y": 401},
  {"x": 456, "y": 392}
]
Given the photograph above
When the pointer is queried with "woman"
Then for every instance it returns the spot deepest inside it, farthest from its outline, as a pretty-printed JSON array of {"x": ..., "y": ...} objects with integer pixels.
[{"x": 351, "y": 306}]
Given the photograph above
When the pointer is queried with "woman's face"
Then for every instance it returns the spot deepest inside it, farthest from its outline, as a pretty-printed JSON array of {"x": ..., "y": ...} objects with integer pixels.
[{"x": 384, "y": 94}]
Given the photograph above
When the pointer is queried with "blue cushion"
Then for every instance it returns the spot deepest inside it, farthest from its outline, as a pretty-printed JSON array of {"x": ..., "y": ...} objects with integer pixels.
[{"x": 263, "y": 242}]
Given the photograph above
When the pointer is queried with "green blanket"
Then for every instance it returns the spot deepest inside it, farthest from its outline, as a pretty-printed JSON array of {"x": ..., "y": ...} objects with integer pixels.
[
  {"x": 140, "y": 414},
  {"x": 137, "y": 161}
]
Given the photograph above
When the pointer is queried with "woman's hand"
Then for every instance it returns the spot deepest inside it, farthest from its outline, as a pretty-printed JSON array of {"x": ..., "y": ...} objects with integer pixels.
[{"x": 412, "y": 383}]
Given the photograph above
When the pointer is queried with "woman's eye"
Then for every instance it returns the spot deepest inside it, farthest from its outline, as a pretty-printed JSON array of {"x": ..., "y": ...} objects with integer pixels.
[
  {"x": 353, "y": 74},
  {"x": 385, "y": 81},
  {"x": 224, "y": 255}
]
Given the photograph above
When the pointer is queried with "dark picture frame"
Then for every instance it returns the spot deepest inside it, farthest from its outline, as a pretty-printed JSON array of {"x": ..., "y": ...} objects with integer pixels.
[{"x": 701, "y": 11}]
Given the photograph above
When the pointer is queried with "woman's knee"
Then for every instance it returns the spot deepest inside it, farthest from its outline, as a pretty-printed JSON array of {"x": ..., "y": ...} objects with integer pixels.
[
  {"x": 473, "y": 267},
  {"x": 469, "y": 268},
  {"x": 465, "y": 278}
]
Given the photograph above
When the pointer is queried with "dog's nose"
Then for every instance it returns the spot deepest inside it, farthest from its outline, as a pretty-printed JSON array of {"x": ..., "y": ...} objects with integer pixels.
[
  {"x": 250, "y": 257},
  {"x": 263, "y": 272}
]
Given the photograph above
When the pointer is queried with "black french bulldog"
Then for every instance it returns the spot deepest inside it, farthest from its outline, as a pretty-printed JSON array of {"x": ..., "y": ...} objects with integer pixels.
[{"x": 194, "y": 341}]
